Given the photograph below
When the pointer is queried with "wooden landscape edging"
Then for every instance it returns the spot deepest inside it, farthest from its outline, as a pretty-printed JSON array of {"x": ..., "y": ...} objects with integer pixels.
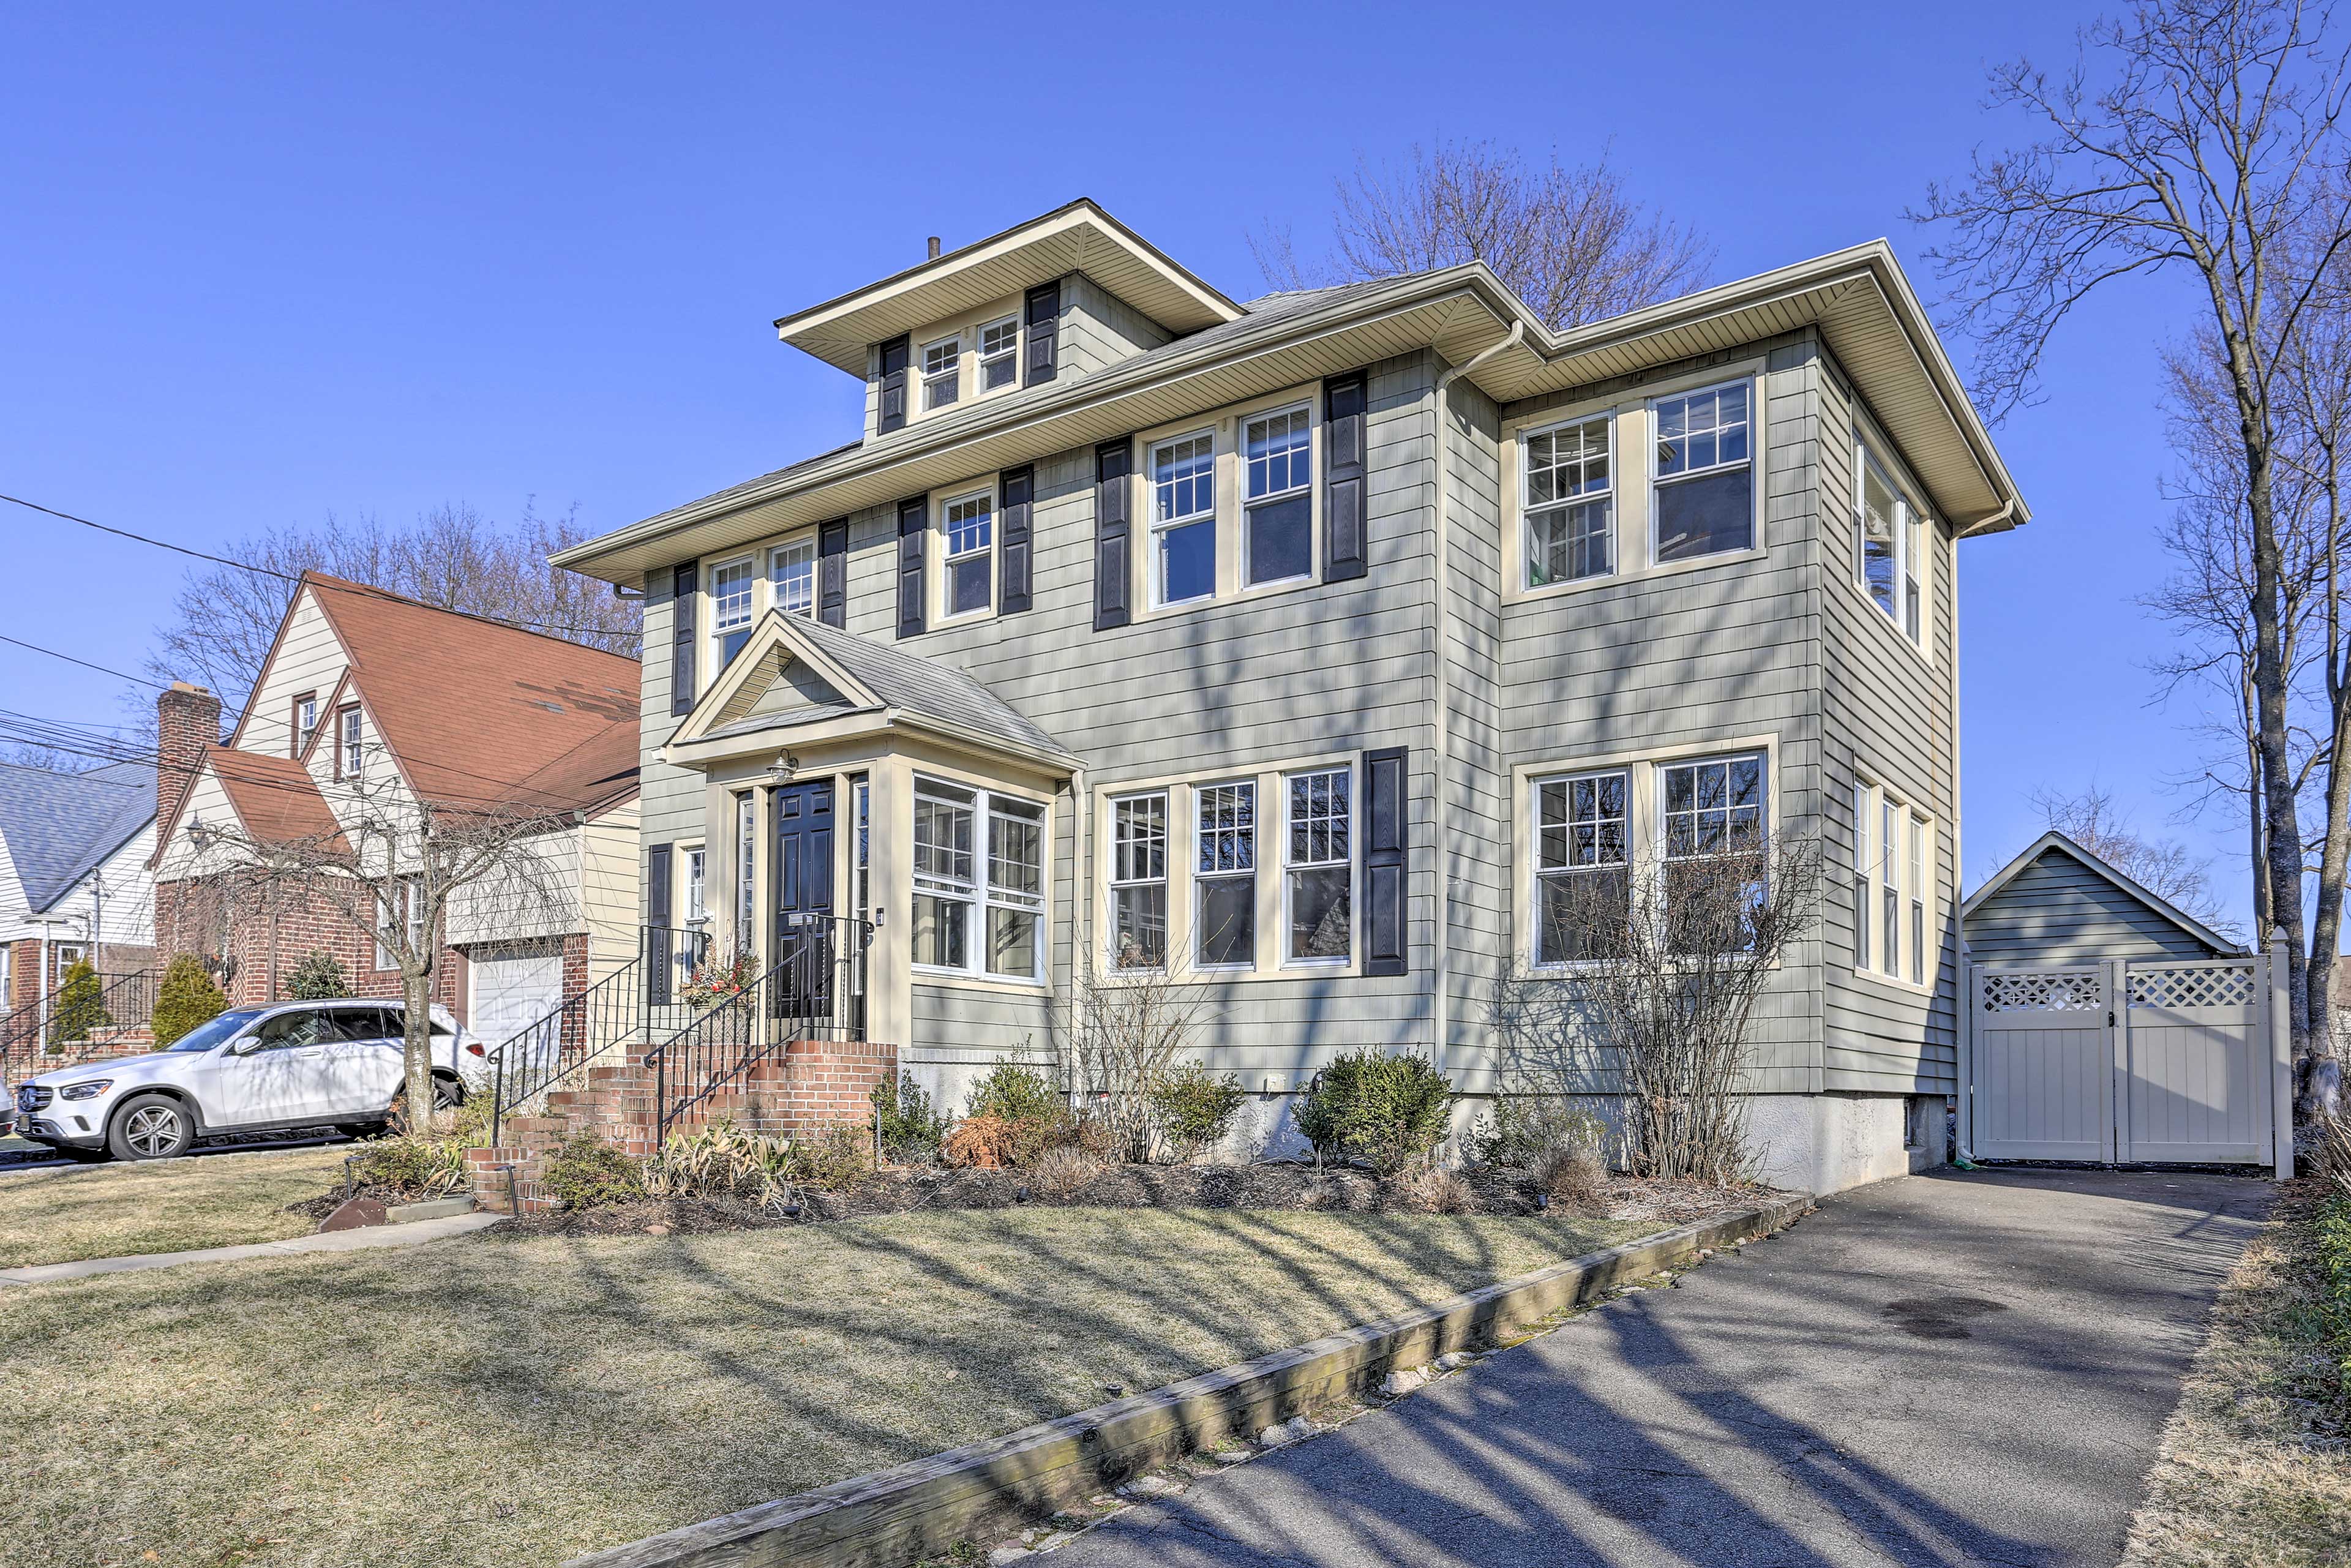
[{"x": 923, "y": 1508}]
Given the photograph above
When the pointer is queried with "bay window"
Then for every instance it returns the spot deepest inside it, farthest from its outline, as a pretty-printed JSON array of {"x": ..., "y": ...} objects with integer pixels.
[
  {"x": 969, "y": 524},
  {"x": 1918, "y": 901},
  {"x": 1893, "y": 852},
  {"x": 1319, "y": 873},
  {"x": 942, "y": 367},
  {"x": 791, "y": 572},
  {"x": 1225, "y": 876},
  {"x": 1890, "y": 544},
  {"x": 1864, "y": 908},
  {"x": 1138, "y": 881},
  {"x": 999, "y": 353},
  {"x": 1583, "y": 885},
  {"x": 1277, "y": 504},
  {"x": 1568, "y": 503},
  {"x": 1702, "y": 500},
  {"x": 1889, "y": 848},
  {"x": 730, "y": 610},
  {"x": 980, "y": 913},
  {"x": 1183, "y": 519}
]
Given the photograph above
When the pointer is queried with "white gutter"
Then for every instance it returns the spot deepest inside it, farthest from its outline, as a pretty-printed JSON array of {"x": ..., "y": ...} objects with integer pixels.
[{"x": 1441, "y": 729}]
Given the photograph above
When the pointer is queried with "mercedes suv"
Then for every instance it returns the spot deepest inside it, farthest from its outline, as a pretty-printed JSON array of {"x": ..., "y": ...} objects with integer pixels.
[{"x": 289, "y": 1064}]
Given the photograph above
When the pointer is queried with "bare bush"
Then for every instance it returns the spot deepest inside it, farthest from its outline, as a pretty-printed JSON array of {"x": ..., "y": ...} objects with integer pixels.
[
  {"x": 1654, "y": 968},
  {"x": 1063, "y": 1172},
  {"x": 1123, "y": 1029},
  {"x": 1572, "y": 1176},
  {"x": 1438, "y": 1189}
]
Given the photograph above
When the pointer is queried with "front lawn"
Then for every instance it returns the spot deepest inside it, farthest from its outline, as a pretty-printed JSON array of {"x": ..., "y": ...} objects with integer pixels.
[
  {"x": 508, "y": 1399},
  {"x": 2255, "y": 1469},
  {"x": 71, "y": 1212}
]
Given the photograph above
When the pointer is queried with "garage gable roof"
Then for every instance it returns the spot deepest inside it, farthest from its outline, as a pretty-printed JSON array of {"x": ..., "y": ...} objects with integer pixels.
[{"x": 2061, "y": 844}]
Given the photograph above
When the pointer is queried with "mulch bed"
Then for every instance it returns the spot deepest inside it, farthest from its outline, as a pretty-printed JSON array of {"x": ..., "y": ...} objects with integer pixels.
[{"x": 1276, "y": 1185}]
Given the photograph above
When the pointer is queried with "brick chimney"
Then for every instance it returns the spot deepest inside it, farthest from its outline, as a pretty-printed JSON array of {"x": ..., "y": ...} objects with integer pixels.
[{"x": 187, "y": 720}]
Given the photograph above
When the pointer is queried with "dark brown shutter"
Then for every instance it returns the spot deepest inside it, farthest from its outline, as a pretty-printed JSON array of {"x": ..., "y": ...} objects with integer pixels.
[
  {"x": 681, "y": 640},
  {"x": 894, "y": 354},
  {"x": 1383, "y": 838},
  {"x": 1017, "y": 490},
  {"x": 1344, "y": 555},
  {"x": 1043, "y": 316},
  {"x": 1112, "y": 461},
  {"x": 914, "y": 518},
  {"x": 658, "y": 945},
  {"x": 832, "y": 572}
]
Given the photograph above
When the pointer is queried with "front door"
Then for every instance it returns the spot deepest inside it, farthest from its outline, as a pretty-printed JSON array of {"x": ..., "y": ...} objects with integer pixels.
[{"x": 801, "y": 877}]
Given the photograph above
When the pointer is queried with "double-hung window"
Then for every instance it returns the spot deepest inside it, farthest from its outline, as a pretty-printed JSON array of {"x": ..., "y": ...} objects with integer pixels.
[
  {"x": 1278, "y": 497},
  {"x": 1890, "y": 542},
  {"x": 1918, "y": 901},
  {"x": 978, "y": 913},
  {"x": 730, "y": 610},
  {"x": 1582, "y": 883},
  {"x": 942, "y": 371},
  {"x": 1712, "y": 812},
  {"x": 1138, "y": 881},
  {"x": 351, "y": 750},
  {"x": 696, "y": 910},
  {"x": 1893, "y": 850},
  {"x": 747, "y": 863},
  {"x": 1184, "y": 519},
  {"x": 968, "y": 526},
  {"x": 999, "y": 353},
  {"x": 1319, "y": 869},
  {"x": 306, "y": 721},
  {"x": 791, "y": 571},
  {"x": 1224, "y": 883},
  {"x": 1889, "y": 874},
  {"x": 1569, "y": 503},
  {"x": 860, "y": 870},
  {"x": 399, "y": 913},
  {"x": 1703, "y": 499},
  {"x": 1864, "y": 909}
]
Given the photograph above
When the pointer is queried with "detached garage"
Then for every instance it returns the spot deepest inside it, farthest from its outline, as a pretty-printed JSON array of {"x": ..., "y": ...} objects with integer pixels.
[{"x": 2105, "y": 1025}]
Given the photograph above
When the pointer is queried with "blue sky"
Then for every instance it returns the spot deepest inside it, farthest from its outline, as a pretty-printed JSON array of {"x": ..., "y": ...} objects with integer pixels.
[{"x": 274, "y": 263}]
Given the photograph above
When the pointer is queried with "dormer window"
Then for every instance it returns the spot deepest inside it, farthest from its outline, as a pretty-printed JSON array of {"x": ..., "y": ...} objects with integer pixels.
[
  {"x": 999, "y": 353},
  {"x": 942, "y": 365}
]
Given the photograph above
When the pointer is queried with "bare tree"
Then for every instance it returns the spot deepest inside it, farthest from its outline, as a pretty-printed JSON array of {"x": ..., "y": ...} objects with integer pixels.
[
  {"x": 1125, "y": 1026},
  {"x": 1571, "y": 242},
  {"x": 2165, "y": 867},
  {"x": 2210, "y": 140},
  {"x": 225, "y": 618},
  {"x": 1654, "y": 969},
  {"x": 389, "y": 871}
]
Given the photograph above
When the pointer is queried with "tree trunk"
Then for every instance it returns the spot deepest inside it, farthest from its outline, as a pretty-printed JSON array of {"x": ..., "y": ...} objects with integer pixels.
[{"x": 416, "y": 1003}]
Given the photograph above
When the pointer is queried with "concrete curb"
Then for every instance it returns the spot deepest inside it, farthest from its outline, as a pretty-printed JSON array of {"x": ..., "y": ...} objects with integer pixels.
[
  {"x": 412, "y": 1234},
  {"x": 923, "y": 1508}
]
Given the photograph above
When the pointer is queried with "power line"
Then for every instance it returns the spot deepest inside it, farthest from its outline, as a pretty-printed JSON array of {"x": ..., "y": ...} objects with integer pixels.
[
  {"x": 545, "y": 627},
  {"x": 84, "y": 663}
]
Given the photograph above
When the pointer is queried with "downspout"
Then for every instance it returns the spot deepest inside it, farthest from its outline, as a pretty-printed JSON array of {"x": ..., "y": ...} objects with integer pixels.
[{"x": 1441, "y": 729}]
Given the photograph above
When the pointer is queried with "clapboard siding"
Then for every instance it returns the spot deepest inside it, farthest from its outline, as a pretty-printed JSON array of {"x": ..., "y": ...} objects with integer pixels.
[
  {"x": 2059, "y": 911},
  {"x": 1099, "y": 330},
  {"x": 1887, "y": 719},
  {"x": 1477, "y": 790}
]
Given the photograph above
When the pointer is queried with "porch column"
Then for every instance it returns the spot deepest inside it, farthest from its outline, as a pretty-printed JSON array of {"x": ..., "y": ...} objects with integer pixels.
[{"x": 890, "y": 975}]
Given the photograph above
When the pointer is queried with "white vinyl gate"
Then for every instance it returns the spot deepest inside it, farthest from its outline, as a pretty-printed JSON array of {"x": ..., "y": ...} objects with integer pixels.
[{"x": 2129, "y": 1061}]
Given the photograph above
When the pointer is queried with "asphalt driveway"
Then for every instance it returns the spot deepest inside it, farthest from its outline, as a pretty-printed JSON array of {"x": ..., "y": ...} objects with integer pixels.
[{"x": 1944, "y": 1369}]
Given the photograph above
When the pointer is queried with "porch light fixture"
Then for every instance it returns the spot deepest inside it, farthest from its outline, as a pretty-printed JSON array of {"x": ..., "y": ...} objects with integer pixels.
[{"x": 781, "y": 770}]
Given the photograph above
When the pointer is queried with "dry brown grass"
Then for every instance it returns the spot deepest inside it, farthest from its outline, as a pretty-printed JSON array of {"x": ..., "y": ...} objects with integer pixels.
[
  {"x": 516, "y": 1400},
  {"x": 2254, "y": 1471},
  {"x": 64, "y": 1214}
]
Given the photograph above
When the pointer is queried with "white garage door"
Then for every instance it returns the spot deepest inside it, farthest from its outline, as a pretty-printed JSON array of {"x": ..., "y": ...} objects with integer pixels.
[{"x": 512, "y": 991}]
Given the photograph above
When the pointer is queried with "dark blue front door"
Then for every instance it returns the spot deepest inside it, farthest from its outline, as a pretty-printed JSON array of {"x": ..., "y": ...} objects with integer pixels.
[{"x": 801, "y": 877}]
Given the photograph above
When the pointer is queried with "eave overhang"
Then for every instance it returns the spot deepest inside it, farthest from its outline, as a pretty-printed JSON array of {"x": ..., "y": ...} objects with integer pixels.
[
  {"x": 1080, "y": 237},
  {"x": 1857, "y": 300}
]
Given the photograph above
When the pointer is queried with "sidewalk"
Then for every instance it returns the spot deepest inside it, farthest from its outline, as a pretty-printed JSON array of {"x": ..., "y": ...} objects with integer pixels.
[{"x": 409, "y": 1234}]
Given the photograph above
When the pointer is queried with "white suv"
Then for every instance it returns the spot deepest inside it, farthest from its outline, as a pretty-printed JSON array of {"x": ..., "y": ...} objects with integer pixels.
[{"x": 289, "y": 1064}]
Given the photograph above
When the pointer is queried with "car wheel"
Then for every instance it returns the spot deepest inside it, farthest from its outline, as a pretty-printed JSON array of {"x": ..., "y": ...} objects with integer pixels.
[
  {"x": 446, "y": 1096},
  {"x": 151, "y": 1127},
  {"x": 356, "y": 1129}
]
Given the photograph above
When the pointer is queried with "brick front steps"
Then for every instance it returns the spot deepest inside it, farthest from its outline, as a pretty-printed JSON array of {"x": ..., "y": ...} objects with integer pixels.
[{"x": 807, "y": 1086}]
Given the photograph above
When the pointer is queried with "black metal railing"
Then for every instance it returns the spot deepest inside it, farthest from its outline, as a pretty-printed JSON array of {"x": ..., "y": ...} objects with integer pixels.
[
  {"x": 583, "y": 1027},
  {"x": 815, "y": 991},
  {"x": 671, "y": 956},
  {"x": 122, "y": 1003}
]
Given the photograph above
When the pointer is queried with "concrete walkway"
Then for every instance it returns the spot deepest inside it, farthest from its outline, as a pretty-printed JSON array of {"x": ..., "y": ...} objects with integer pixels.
[
  {"x": 410, "y": 1235},
  {"x": 1941, "y": 1369}
]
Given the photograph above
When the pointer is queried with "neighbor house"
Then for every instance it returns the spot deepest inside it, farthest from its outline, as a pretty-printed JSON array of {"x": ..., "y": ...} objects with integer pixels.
[
  {"x": 368, "y": 698},
  {"x": 74, "y": 885},
  {"x": 1303, "y": 648}
]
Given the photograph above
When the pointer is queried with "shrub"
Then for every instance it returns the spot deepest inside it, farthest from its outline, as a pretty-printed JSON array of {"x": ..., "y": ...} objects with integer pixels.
[
  {"x": 837, "y": 1157},
  {"x": 1522, "y": 1129},
  {"x": 589, "y": 1173},
  {"x": 1387, "y": 1111},
  {"x": 983, "y": 1143},
  {"x": 1195, "y": 1108},
  {"x": 1027, "y": 1114},
  {"x": 319, "y": 977},
  {"x": 415, "y": 1167},
  {"x": 186, "y": 997},
  {"x": 79, "y": 1013},
  {"x": 1062, "y": 1173},
  {"x": 1572, "y": 1176},
  {"x": 1016, "y": 1091},
  {"x": 910, "y": 1131},
  {"x": 1432, "y": 1189}
]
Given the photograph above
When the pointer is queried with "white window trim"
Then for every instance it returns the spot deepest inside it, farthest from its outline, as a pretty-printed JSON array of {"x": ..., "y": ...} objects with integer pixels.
[
  {"x": 1113, "y": 883},
  {"x": 981, "y": 361},
  {"x": 1753, "y": 463},
  {"x": 1256, "y": 873},
  {"x": 805, "y": 540},
  {"x": 694, "y": 872},
  {"x": 408, "y": 914},
  {"x": 1353, "y": 863},
  {"x": 1536, "y": 869},
  {"x": 1155, "y": 526},
  {"x": 744, "y": 906},
  {"x": 1870, "y": 449},
  {"x": 1249, "y": 503},
  {"x": 1524, "y": 573},
  {"x": 953, "y": 375},
  {"x": 716, "y": 635},
  {"x": 938, "y": 589},
  {"x": 1645, "y": 818},
  {"x": 351, "y": 743},
  {"x": 983, "y": 895},
  {"x": 1867, "y": 851},
  {"x": 1232, "y": 582},
  {"x": 1183, "y": 855}
]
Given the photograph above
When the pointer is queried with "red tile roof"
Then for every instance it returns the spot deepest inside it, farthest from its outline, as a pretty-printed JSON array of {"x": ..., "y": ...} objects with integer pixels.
[
  {"x": 275, "y": 797},
  {"x": 475, "y": 711}
]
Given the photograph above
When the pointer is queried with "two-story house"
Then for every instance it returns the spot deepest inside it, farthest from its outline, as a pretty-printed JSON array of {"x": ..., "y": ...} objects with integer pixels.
[
  {"x": 1304, "y": 647},
  {"x": 73, "y": 888}
]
